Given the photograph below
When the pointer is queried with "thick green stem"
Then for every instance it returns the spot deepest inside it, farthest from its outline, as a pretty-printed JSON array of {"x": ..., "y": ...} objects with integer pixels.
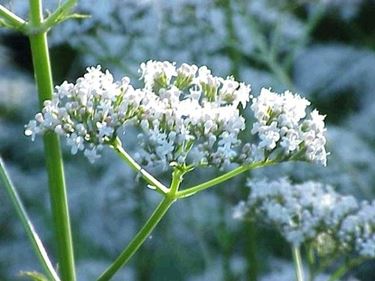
[
  {"x": 197, "y": 188},
  {"x": 28, "y": 226},
  {"x": 298, "y": 263},
  {"x": 54, "y": 162},
  {"x": 138, "y": 240},
  {"x": 153, "y": 182}
]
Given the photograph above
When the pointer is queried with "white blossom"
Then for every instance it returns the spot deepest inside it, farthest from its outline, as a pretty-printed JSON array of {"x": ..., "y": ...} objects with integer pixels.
[
  {"x": 88, "y": 113},
  {"x": 157, "y": 72},
  {"x": 285, "y": 130},
  {"x": 193, "y": 118}
]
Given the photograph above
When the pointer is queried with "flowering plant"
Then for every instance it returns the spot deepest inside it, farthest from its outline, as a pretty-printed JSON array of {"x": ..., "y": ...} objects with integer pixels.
[{"x": 186, "y": 119}]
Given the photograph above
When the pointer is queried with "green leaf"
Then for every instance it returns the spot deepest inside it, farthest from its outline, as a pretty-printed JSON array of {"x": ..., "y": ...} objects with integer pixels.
[{"x": 35, "y": 276}]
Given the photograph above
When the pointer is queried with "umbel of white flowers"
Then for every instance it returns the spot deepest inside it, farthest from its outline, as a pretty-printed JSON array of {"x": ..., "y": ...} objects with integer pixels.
[
  {"x": 312, "y": 212},
  {"x": 185, "y": 115}
]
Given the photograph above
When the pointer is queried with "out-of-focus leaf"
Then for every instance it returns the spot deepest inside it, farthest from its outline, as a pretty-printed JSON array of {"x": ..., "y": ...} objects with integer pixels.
[{"x": 35, "y": 276}]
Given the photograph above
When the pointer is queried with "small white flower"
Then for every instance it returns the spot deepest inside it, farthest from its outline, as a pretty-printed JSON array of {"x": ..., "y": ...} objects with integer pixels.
[
  {"x": 91, "y": 154},
  {"x": 76, "y": 142},
  {"x": 32, "y": 129},
  {"x": 157, "y": 72}
]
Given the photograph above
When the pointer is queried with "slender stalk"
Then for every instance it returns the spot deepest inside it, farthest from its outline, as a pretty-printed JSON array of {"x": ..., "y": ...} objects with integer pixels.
[
  {"x": 10, "y": 18},
  {"x": 58, "y": 14},
  {"x": 197, "y": 188},
  {"x": 116, "y": 145},
  {"x": 251, "y": 251},
  {"x": 342, "y": 270},
  {"x": 54, "y": 162},
  {"x": 148, "y": 227},
  {"x": 311, "y": 263},
  {"x": 138, "y": 240},
  {"x": 298, "y": 263},
  {"x": 28, "y": 226},
  {"x": 177, "y": 177}
]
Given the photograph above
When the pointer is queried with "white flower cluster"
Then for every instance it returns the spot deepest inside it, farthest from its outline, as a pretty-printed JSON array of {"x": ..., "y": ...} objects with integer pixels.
[
  {"x": 285, "y": 130},
  {"x": 88, "y": 113},
  {"x": 312, "y": 212},
  {"x": 186, "y": 115},
  {"x": 189, "y": 115}
]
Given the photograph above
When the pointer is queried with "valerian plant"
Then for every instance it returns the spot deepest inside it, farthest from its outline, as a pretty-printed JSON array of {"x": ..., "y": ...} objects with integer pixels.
[{"x": 186, "y": 117}]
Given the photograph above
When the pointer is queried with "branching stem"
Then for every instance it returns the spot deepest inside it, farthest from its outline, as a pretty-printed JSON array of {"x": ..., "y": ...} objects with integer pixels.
[
  {"x": 235, "y": 172},
  {"x": 11, "y": 20}
]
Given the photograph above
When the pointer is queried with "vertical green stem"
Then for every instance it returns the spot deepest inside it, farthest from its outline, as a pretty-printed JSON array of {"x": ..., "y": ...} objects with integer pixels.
[
  {"x": 54, "y": 163},
  {"x": 251, "y": 251},
  {"x": 298, "y": 263},
  {"x": 311, "y": 263}
]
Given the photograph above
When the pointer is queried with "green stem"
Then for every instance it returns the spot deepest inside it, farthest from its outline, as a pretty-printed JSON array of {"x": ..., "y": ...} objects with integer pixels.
[
  {"x": 251, "y": 251},
  {"x": 311, "y": 263},
  {"x": 342, "y": 270},
  {"x": 58, "y": 15},
  {"x": 177, "y": 177},
  {"x": 197, "y": 188},
  {"x": 54, "y": 162},
  {"x": 146, "y": 230},
  {"x": 28, "y": 226},
  {"x": 138, "y": 240},
  {"x": 11, "y": 19},
  {"x": 153, "y": 182},
  {"x": 298, "y": 263}
]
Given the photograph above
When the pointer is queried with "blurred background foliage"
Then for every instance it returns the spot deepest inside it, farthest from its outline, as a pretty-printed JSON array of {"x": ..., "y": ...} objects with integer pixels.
[{"x": 322, "y": 49}]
